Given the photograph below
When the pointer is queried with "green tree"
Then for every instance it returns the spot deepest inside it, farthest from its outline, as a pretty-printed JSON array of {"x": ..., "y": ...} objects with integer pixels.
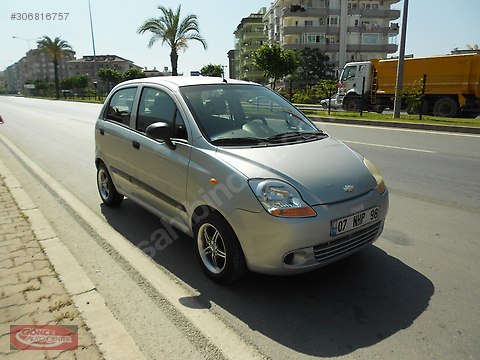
[
  {"x": 413, "y": 96},
  {"x": 74, "y": 82},
  {"x": 109, "y": 76},
  {"x": 67, "y": 83},
  {"x": 133, "y": 73},
  {"x": 212, "y": 70},
  {"x": 275, "y": 62},
  {"x": 176, "y": 32},
  {"x": 55, "y": 49},
  {"x": 325, "y": 88},
  {"x": 314, "y": 66}
]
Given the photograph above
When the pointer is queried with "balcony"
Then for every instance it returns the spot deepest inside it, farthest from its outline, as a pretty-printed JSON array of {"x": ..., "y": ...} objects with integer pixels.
[
  {"x": 376, "y": 13},
  {"x": 295, "y": 30},
  {"x": 250, "y": 48},
  {"x": 319, "y": 46},
  {"x": 376, "y": 30},
  {"x": 253, "y": 36},
  {"x": 311, "y": 12},
  {"x": 383, "y": 48}
]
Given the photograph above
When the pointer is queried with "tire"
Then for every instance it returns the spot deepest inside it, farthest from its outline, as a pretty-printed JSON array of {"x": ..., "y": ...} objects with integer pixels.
[
  {"x": 415, "y": 109},
  {"x": 106, "y": 188},
  {"x": 445, "y": 107},
  {"x": 220, "y": 254},
  {"x": 351, "y": 103}
]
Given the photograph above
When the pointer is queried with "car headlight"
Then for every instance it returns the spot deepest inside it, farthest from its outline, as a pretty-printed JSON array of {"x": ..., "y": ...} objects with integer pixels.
[
  {"x": 376, "y": 174},
  {"x": 280, "y": 199}
]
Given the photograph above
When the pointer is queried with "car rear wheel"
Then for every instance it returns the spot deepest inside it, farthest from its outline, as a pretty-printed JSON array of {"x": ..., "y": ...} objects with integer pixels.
[
  {"x": 220, "y": 253},
  {"x": 106, "y": 188}
]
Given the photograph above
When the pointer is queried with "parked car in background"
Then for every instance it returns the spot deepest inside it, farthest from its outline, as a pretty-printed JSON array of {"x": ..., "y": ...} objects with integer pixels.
[
  {"x": 236, "y": 166},
  {"x": 333, "y": 103}
]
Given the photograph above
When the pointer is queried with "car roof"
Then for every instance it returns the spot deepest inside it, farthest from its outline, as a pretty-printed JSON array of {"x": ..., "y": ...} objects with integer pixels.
[{"x": 179, "y": 81}]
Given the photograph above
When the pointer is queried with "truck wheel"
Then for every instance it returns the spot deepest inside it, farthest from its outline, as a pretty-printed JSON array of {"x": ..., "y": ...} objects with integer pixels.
[
  {"x": 445, "y": 107},
  {"x": 415, "y": 108},
  {"x": 351, "y": 103}
]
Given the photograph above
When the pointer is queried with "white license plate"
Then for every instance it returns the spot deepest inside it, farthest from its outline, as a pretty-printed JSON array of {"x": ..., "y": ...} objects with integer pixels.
[{"x": 354, "y": 221}]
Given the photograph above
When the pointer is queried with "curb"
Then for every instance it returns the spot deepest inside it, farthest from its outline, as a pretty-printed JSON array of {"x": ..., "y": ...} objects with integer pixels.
[
  {"x": 110, "y": 335},
  {"x": 401, "y": 125}
]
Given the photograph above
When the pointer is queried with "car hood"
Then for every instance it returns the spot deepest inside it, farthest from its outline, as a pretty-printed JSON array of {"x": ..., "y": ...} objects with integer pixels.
[{"x": 323, "y": 170}]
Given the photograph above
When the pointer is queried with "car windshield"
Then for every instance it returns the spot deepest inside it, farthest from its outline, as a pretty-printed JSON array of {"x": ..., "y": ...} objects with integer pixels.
[{"x": 247, "y": 114}]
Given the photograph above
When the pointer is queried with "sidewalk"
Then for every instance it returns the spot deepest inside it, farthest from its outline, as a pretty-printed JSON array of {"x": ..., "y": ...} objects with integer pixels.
[{"x": 30, "y": 291}]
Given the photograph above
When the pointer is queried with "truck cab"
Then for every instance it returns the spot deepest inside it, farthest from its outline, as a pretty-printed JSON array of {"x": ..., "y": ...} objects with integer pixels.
[{"x": 355, "y": 81}]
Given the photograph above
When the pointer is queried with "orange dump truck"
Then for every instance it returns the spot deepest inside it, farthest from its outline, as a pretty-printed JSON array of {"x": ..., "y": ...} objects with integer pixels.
[{"x": 452, "y": 86}]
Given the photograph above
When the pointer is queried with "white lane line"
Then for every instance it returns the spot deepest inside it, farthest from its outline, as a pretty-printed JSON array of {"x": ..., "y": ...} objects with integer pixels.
[
  {"x": 214, "y": 329},
  {"x": 389, "y": 128},
  {"x": 389, "y": 146}
]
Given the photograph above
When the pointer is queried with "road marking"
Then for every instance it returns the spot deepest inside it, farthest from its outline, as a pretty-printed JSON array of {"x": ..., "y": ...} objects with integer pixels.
[
  {"x": 388, "y": 128},
  {"x": 225, "y": 339},
  {"x": 389, "y": 146}
]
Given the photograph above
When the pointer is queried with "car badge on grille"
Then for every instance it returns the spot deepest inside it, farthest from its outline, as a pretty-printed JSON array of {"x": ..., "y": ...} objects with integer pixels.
[{"x": 349, "y": 188}]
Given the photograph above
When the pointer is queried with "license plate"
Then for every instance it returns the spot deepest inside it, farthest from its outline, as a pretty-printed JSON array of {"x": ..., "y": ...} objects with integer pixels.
[{"x": 353, "y": 222}]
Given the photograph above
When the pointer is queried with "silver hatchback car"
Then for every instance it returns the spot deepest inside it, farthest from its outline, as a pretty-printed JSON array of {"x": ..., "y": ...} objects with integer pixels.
[{"x": 234, "y": 165}]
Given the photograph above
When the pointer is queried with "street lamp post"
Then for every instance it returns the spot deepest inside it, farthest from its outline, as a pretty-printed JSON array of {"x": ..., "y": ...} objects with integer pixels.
[
  {"x": 27, "y": 40},
  {"x": 95, "y": 64}
]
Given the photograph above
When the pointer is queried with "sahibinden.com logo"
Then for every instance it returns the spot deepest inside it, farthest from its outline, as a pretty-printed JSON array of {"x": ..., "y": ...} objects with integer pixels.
[{"x": 43, "y": 337}]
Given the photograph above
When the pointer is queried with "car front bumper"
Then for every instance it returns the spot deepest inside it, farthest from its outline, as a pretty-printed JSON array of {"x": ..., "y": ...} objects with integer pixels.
[{"x": 281, "y": 246}]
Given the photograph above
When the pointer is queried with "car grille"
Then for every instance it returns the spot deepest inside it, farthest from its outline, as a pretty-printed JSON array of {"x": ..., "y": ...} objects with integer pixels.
[{"x": 338, "y": 247}]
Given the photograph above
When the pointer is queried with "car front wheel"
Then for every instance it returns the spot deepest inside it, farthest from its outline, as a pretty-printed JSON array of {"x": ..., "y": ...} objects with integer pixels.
[
  {"x": 220, "y": 253},
  {"x": 106, "y": 188}
]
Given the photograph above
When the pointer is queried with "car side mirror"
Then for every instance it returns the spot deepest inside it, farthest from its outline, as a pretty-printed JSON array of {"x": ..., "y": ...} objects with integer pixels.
[{"x": 161, "y": 131}]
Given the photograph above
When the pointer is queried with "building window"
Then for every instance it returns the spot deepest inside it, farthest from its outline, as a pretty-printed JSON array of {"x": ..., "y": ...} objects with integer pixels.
[
  {"x": 332, "y": 4},
  {"x": 308, "y": 23},
  {"x": 371, "y": 39},
  {"x": 313, "y": 38},
  {"x": 333, "y": 20}
]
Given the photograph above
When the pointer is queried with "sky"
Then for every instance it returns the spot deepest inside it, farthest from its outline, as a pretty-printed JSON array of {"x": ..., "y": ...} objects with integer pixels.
[{"x": 434, "y": 27}]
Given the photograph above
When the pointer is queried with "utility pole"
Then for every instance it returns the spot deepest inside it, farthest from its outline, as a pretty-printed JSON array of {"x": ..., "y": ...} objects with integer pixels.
[
  {"x": 401, "y": 58},
  {"x": 95, "y": 64}
]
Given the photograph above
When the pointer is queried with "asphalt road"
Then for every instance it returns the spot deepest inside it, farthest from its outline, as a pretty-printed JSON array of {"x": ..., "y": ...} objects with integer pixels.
[{"x": 413, "y": 295}]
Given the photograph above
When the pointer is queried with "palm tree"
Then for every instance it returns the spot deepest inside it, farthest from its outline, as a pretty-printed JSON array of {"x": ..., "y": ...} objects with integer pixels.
[
  {"x": 169, "y": 29},
  {"x": 55, "y": 49}
]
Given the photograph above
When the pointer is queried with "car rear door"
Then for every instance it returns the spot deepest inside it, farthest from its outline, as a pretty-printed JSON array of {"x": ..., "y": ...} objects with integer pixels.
[{"x": 114, "y": 137}]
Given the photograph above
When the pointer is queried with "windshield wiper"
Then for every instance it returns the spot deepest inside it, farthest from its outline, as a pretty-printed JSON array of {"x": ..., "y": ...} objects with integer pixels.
[
  {"x": 238, "y": 141},
  {"x": 297, "y": 135}
]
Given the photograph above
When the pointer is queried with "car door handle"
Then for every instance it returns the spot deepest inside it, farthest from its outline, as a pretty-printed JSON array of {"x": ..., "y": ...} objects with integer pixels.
[
  {"x": 102, "y": 132},
  {"x": 136, "y": 144}
]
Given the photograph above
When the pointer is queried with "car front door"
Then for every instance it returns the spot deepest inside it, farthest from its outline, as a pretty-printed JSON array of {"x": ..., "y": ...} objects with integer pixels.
[{"x": 161, "y": 179}]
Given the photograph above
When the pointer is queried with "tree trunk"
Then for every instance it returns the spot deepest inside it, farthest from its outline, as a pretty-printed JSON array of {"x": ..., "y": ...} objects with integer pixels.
[
  {"x": 57, "y": 82},
  {"x": 174, "y": 62}
]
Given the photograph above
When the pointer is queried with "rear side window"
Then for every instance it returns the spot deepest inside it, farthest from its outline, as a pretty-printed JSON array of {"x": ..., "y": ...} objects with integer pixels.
[{"x": 121, "y": 105}]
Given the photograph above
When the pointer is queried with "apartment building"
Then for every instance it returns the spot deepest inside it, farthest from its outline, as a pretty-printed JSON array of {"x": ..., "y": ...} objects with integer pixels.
[
  {"x": 249, "y": 36},
  {"x": 89, "y": 65},
  {"x": 32, "y": 67},
  {"x": 346, "y": 30}
]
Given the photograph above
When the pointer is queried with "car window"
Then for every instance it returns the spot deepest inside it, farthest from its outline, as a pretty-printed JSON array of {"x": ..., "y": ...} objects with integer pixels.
[
  {"x": 157, "y": 106},
  {"x": 120, "y": 106},
  {"x": 243, "y": 111}
]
